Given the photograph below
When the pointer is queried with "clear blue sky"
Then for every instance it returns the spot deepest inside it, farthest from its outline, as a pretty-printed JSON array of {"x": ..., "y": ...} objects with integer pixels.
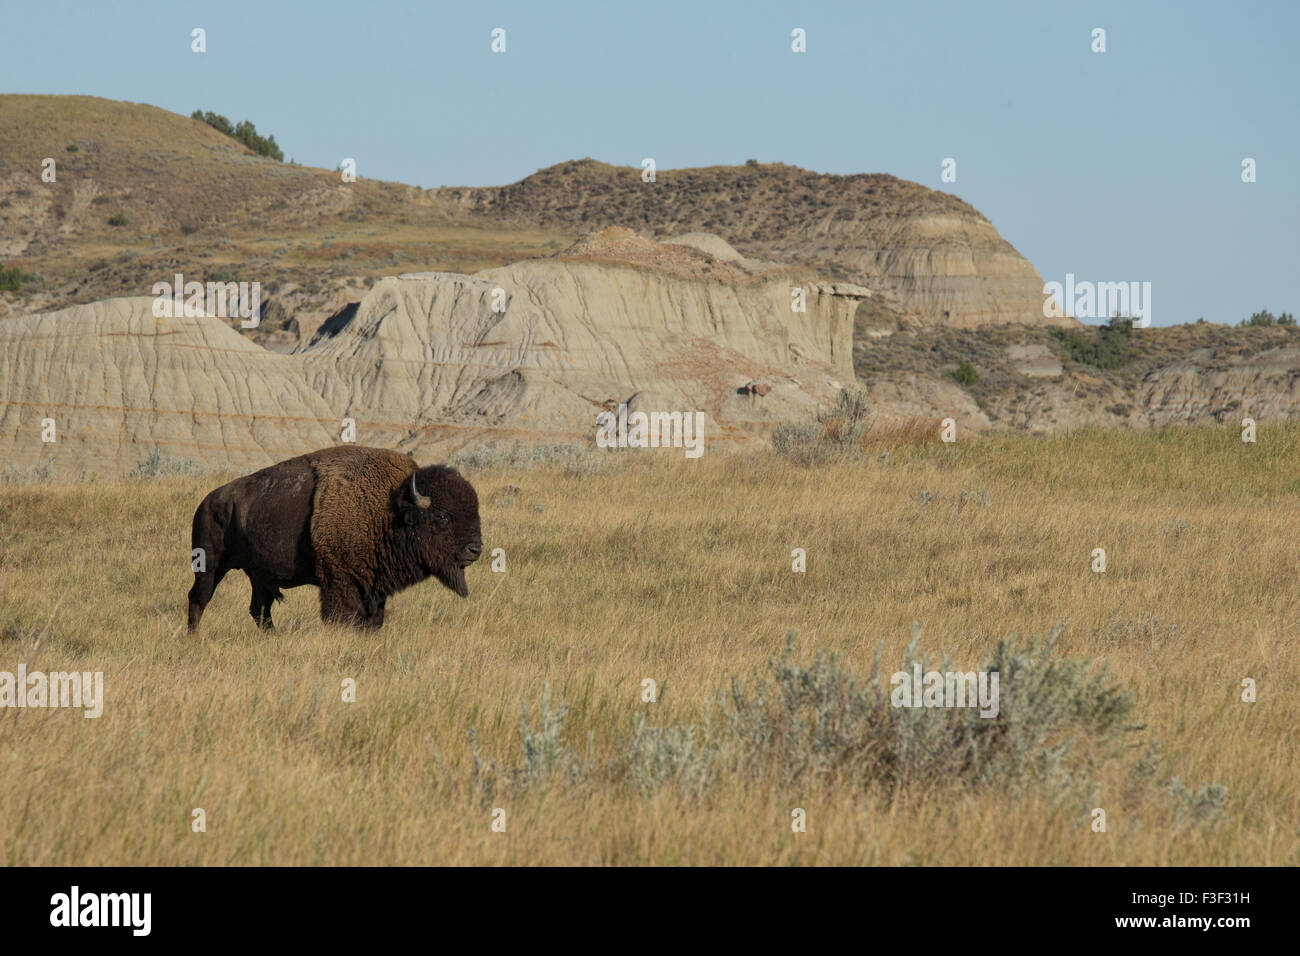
[{"x": 1117, "y": 166}]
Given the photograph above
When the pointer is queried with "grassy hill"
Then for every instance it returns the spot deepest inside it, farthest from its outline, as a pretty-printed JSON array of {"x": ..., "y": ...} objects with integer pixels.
[
  {"x": 765, "y": 208},
  {"x": 187, "y": 198},
  {"x": 142, "y": 192}
]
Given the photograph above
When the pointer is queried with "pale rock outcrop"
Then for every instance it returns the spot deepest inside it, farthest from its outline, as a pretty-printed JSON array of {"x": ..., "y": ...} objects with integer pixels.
[
  {"x": 429, "y": 363},
  {"x": 119, "y": 383},
  {"x": 427, "y": 359},
  {"x": 1265, "y": 386},
  {"x": 1034, "y": 360}
]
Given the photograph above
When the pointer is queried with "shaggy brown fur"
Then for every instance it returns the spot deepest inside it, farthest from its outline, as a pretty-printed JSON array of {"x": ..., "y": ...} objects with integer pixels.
[
  {"x": 345, "y": 519},
  {"x": 350, "y": 508}
]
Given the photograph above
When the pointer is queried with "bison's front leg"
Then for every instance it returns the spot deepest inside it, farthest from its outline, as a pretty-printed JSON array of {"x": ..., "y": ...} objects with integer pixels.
[
  {"x": 341, "y": 603},
  {"x": 374, "y": 612}
]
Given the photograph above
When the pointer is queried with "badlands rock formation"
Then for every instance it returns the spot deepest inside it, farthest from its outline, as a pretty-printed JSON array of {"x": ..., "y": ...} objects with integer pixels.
[
  {"x": 118, "y": 383},
  {"x": 942, "y": 259},
  {"x": 431, "y": 362},
  {"x": 1265, "y": 386}
]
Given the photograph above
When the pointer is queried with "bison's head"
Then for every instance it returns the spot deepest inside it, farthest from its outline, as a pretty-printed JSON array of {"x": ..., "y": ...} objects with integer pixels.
[{"x": 440, "y": 511}]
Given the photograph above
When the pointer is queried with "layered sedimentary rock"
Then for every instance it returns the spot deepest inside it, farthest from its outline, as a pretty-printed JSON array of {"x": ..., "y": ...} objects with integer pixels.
[
  {"x": 431, "y": 362},
  {"x": 118, "y": 384}
]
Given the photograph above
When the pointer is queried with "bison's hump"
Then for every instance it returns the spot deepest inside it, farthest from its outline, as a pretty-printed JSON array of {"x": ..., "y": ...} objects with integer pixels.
[{"x": 352, "y": 506}]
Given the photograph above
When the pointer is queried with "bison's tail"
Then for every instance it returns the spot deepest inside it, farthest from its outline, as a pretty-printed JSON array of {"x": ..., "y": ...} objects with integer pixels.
[{"x": 201, "y": 530}]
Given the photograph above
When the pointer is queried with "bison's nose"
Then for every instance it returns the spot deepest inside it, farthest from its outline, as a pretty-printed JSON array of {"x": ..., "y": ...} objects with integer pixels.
[{"x": 472, "y": 551}]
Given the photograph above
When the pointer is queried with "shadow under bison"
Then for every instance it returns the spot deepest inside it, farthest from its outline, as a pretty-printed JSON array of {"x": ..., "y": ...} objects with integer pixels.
[{"x": 359, "y": 523}]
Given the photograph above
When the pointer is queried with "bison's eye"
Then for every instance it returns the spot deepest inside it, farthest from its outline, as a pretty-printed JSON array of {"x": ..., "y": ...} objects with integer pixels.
[{"x": 441, "y": 517}]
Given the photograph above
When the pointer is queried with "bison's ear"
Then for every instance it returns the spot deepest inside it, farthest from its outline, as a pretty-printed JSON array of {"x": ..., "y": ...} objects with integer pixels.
[{"x": 408, "y": 512}]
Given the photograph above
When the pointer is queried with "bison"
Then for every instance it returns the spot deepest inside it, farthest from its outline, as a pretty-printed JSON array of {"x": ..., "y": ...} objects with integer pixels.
[{"x": 359, "y": 523}]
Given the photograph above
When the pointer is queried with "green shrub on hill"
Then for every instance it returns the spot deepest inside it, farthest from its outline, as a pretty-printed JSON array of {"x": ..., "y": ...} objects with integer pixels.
[
  {"x": 11, "y": 280},
  {"x": 244, "y": 132},
  {"x": 1264, "y": 318},
  {"x": 964, "y": 375}
]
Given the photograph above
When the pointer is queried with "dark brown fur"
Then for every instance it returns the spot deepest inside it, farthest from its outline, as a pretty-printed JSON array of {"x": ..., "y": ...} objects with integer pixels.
[{"x": 343, "y": 519}]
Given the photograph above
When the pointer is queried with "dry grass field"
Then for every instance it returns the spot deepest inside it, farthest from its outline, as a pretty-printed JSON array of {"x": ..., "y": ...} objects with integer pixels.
[{"x": 652, "y": 566}]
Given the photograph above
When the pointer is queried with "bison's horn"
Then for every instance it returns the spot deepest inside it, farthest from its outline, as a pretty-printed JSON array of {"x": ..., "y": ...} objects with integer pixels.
[{"x": 420, "y": 499}]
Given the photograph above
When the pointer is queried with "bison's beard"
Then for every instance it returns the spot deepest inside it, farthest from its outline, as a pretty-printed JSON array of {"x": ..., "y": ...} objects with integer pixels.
[{"x": 454, "y": 578}]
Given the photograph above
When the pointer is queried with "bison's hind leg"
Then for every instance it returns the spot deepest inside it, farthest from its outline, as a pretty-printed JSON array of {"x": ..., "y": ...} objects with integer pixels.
[
  {"x": 205, "y": 583},
  {"x": 264, "y": 593}
]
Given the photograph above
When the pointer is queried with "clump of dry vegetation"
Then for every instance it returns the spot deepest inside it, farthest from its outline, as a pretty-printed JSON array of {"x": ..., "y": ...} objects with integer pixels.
[
  {"x": 847, "y": 429},
  {"x": 807, "y": 724}
]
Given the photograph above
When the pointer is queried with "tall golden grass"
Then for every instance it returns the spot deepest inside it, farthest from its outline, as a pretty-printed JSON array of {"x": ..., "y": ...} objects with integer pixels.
[{"x": 680, "y": 571}]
